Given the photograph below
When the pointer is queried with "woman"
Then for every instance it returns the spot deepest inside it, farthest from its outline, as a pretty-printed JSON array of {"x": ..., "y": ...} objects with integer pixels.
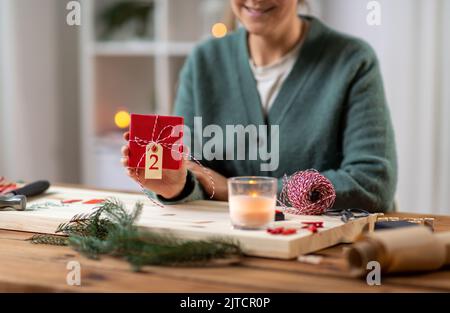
[{"x": 322, "y": 88}]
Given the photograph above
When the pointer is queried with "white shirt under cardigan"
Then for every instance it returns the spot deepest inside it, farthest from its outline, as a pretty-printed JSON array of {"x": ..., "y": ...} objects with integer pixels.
[{"x": 270, "y": 78}]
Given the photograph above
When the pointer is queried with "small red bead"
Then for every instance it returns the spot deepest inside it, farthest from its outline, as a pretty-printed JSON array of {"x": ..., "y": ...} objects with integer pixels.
[
  {"x": 289, "y": 231},
  {"x": 312, "y": 228},
  {"x": 317, "y": 224},
  {"x": 275, "y": 231}
]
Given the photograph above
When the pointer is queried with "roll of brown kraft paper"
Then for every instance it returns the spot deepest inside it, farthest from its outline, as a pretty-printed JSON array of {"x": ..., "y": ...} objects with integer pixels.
[{"x": 408, "y": 249}]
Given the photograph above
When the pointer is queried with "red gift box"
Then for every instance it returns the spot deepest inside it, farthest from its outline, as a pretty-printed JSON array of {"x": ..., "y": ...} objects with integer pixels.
[{"x": 164, "y": 130}]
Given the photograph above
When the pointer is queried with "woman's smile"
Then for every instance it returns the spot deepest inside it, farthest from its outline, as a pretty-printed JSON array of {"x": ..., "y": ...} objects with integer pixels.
[
  {"x": 256, "y": 12},
  {"x": 267, "y": 18}
]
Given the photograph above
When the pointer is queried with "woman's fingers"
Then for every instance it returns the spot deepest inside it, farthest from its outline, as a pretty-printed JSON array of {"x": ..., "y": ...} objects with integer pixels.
[
  {"x": 124, "y": 161},
  {"x": 136, "y": 173},
  {"x": 130, "y": 172},
  {"x": 202, "y": 173},
  {"x": 193, "y": 166},
  {"x": 125, "y": 150},
  {"x": 126, "y": 136},
  {"x": 197, "y": 172}
]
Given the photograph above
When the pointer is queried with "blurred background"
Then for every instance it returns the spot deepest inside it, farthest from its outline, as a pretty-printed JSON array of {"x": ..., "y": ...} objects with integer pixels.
[{"x": 65, "y": 89}]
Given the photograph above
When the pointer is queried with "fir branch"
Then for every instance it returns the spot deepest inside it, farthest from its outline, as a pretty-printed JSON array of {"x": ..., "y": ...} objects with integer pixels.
[
  {"x": 54, "y": 240},
  {"x": 112, "y": 230},
  {"x": 90, "y": 246}
]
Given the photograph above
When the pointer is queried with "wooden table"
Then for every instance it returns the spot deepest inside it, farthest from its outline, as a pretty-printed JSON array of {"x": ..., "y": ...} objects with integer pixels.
[{"x": 25, "y": 267}]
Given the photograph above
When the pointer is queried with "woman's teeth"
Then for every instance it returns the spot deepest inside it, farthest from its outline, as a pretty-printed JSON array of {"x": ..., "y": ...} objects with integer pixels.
[{"x": 257, "y": 12}]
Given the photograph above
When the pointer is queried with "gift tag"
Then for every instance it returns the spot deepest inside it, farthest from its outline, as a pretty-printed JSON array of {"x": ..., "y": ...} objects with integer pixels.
[{"x": 153, "y": 161}]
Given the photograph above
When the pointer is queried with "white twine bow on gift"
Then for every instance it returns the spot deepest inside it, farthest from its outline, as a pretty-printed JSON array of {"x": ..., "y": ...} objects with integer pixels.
[{"x": 144, "y": 143}]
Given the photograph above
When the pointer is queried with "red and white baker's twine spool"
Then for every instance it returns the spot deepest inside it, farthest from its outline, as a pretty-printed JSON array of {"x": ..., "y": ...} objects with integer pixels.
[
  {"x": 174, "y": 148},
  {"x": 307, "y": 193}
]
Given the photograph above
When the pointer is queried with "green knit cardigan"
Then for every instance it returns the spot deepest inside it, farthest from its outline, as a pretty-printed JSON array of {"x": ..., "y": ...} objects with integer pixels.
[{"x": 331, "y": 111}]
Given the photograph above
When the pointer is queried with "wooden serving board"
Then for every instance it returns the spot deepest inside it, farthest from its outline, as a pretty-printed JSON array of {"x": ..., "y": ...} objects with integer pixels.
[{"x": 193, "y": 220}]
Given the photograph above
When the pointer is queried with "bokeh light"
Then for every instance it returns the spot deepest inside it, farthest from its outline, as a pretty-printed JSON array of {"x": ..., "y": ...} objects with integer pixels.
[
  {"x": 122, "y": 119},
  {"x": 219, "y": 30}
]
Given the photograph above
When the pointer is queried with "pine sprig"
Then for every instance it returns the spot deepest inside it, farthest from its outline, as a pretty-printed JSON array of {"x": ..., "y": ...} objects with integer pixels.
[
  {"x": 76, "y": 225},
  {"x": 49, "y": 240},
  {"x": 111, "y": 230}
]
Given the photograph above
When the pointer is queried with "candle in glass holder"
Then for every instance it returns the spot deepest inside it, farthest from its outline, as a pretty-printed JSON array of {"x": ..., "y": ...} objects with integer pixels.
[{"x": 252, "y": 201}]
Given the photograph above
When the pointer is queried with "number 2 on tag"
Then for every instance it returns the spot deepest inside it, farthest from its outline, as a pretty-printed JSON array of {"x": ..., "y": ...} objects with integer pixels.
[{"x": 153, "y": 161}]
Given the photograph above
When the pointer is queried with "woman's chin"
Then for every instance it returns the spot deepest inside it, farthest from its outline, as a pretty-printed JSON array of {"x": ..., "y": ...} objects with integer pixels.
[{"x": 258, "y": 30}]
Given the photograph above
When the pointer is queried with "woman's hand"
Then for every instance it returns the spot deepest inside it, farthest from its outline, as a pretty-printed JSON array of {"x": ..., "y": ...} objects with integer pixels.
[
  {"x": 171, "y": 184},
  {"x": 220, "y": 181}
]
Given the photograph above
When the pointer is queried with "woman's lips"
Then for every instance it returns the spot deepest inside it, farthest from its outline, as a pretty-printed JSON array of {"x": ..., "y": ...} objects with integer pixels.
[{"x": 257, "y": 12}]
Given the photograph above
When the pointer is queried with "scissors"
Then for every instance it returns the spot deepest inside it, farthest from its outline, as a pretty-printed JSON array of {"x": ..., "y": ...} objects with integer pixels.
[{"x": 348, "y": 214}]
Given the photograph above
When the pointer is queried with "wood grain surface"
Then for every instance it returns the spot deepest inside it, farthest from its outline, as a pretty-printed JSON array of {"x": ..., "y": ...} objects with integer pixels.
[
  {"x": 194, "y": 220},
  {"x": 25, "y": 267}
]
